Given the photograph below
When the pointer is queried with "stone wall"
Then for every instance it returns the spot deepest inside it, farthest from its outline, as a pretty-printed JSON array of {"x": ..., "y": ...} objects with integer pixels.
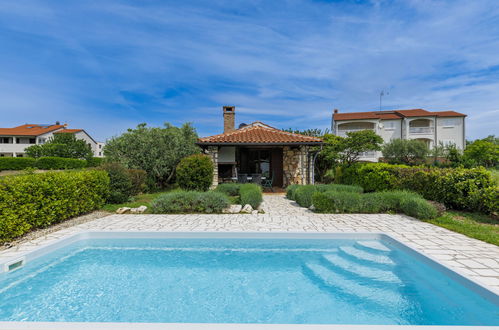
[
  {"x": 212, "y": 151},
  {"x": 296, "y": 166}
]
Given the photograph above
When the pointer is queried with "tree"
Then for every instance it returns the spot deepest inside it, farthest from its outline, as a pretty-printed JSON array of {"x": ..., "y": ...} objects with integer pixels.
[
  {"x": 195, "y": 173},
  {"x": 357, "y": 143},
  {"x": 409, "y": 152},
  {"x": 483, "y": 152},
  {"x": 157, "y": 150},
  {"x": 64, "y": 145}
]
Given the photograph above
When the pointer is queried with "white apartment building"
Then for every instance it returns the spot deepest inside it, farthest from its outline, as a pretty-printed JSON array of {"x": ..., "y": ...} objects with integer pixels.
[
  {"x": 13, "y": 141},
  {"x": 433, "y": 128}
]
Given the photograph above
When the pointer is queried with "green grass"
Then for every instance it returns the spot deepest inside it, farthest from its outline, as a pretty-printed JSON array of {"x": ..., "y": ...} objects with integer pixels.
[
  {"x": 475, "y": 225},
  {"x": 142, "y": 199}
]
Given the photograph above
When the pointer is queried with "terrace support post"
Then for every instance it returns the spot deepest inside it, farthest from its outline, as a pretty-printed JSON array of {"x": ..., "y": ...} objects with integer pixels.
[{"x": 212, "y": 151}]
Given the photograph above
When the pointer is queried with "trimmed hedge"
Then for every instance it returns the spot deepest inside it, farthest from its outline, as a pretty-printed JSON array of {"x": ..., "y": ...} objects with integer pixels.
[
  {"x": 38, "y": 200},
  {"x": 16, "y": 163},
  {"x": 302, "y": 194},
  {"x": 458, "y": 188},
  {"x": 251, "y": 194},
  {"x": 394, "y": 201},
  {"x": 42, "y": 163},
  {"x": 190, "y": 202},
  {"x": 59, "y": 163},
  {"x": 95, "y": 161},
  {"x": 195, "y": 173}
]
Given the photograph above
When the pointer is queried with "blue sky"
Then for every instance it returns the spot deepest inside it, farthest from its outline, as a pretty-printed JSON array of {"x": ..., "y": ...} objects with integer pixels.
[{"x": 107, "y": 65}]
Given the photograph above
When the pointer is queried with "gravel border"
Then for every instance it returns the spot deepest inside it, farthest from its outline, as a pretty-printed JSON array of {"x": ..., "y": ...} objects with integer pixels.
[{"x": 62, "y": 225}]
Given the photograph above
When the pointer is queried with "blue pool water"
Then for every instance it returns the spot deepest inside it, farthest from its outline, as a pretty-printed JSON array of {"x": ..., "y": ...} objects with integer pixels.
[{"x": 238, "y": 281}]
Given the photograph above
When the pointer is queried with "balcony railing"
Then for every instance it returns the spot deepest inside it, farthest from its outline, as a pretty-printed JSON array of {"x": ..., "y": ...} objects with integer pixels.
[
  {"x": 421, "y": 130},
  {"x": 343, "y": 132},
  {"x": 368, "y": 154}
]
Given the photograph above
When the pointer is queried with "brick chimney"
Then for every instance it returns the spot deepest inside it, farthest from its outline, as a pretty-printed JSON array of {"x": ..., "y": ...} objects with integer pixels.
[
  {"x": 229, "y": 119},
  {"x": 336, "y": 111}
]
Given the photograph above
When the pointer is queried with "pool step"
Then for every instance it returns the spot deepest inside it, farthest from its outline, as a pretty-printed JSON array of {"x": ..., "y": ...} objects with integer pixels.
[
  {"x": 373, "y": 246},
  {"x": 358, "y": 270},
  {"x": 338, "y": 283},
  {"x": 365, "y": 256}
]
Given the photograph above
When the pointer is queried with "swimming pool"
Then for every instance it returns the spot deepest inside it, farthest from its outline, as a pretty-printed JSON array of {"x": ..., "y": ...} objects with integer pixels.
[{"x": 239, "y": 278}]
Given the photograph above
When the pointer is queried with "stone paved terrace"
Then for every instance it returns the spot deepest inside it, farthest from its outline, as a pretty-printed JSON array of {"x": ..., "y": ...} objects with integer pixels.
[{"x": 477, "y": 259}]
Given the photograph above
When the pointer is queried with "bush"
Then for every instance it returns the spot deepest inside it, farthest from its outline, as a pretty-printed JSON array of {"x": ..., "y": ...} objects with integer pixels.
[
  {"x": 121, "y": 186},
  {"x": 290, "y": 191},
  {"x": 16, "y": 163},
  {"x": 418, "y": 208},
  {"x": 251, "y": 194},
  {"x": 409, "y": 152},
  {"x": 229, "y": 189},
  {"x": 95, "y": 161},
  {"x": 138, "y": 179},
  {"x": 190, "y": 202},
  {"x": 195, "y": 173},
  {"x": 39, "y": 200},
  {"x": 59, "y": 163},
  {"x": 394, "y": 201},
  {"x": 458, "y": 188},
  {"x": 303, "y": 195}
]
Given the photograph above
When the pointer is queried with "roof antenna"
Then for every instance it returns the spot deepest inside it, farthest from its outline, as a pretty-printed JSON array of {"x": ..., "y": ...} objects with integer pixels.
[{"x": 381, "y": 94}]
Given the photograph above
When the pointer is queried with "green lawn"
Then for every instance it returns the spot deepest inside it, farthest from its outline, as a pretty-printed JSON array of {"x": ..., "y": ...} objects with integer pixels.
[
  {"x": 475, "y": 225},
  {"x": 142, "y": 199}
]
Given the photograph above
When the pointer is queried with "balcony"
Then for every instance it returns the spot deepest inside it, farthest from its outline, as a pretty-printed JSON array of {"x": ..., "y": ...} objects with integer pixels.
[
  {"x": 343, "y": 132},
  {"x": 421, "y": 130}
]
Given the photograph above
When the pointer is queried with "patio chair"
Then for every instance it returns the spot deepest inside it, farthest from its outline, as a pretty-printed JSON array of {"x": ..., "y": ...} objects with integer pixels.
[
  {"x": 268, "y": 182},
  {"x": 242, "y": 178},
  {"x": 256, "y": 178}
]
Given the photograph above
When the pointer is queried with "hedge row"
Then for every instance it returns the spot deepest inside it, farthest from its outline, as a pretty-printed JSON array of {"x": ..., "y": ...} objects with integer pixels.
[
  {"x": 458, "y": 188},
  {"x": 390, "y": 201},
  {"x": 249, "y": 193},
  {"x": 190, "y": 202},
  {"x": 47, "y": 163},
  {"x": 302, "y": 194},
  {"x": 38, "y": 200}
]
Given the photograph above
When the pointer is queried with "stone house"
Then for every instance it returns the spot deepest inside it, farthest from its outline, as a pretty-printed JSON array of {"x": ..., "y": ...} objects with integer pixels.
[{"x": 259, "y": 149}]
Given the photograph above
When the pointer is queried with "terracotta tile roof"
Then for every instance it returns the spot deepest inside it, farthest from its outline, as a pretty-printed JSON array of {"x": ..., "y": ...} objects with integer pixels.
[
  {"x": 69, "y": 130},
  {"x": 30, "y": 129},
  {"x": 259, "y": 133},
  {"x": 395, "y": 114}
]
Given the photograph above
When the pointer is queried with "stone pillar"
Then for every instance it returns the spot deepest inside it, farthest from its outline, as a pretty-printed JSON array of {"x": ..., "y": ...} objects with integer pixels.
[
  {"x": 295, "y": 163},
  {"x": 212, "y": 151}
]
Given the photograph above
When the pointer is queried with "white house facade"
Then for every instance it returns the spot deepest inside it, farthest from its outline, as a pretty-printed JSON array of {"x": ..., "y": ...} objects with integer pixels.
[
  {"x": 14, "y": 141},
  {"x": 433, "y": 128}
]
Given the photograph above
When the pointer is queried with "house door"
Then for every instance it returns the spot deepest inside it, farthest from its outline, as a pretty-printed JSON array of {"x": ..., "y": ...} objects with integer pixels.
[{"x": 276, "y": 167}]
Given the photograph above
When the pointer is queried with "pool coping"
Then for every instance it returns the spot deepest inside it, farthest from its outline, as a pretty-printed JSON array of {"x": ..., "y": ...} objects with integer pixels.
[{"x": 488, "y": 293}]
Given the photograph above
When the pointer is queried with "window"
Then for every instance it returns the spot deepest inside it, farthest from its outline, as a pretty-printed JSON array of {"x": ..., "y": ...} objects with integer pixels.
[
  {"x": 389, "y": 125},
  {"x": 100, "y": 146},
  {"x": 18, "y": 140},
  {"x": 449, "y": 122},
  {"x": 100, "y": 153},
  {"x": 41, "y": 140},
  {"x": 5, "y": 140},
  {"x": 32, "y": 140}
]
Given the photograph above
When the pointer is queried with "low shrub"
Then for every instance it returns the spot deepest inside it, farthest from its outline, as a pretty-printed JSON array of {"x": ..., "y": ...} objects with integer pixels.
[
  {"x": 251, "y": 194},
  {"x": 59, "y": 163},
  {"x": 391, "y": 201},
  {"x": 195, "y": 173},
  {"x": 38, "y": 200},
  {"x": 16, "y": 163},
  {"x": 230, "y": 189},
  {"x": 457, "y": 188},
  {"x": 121, "y": 186},
  {"x": 290, "y": 191},
  {"x": 138, "y": 179},
  {"x": 190, "y": 202},
  {"x": 303, "y": 195}
]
